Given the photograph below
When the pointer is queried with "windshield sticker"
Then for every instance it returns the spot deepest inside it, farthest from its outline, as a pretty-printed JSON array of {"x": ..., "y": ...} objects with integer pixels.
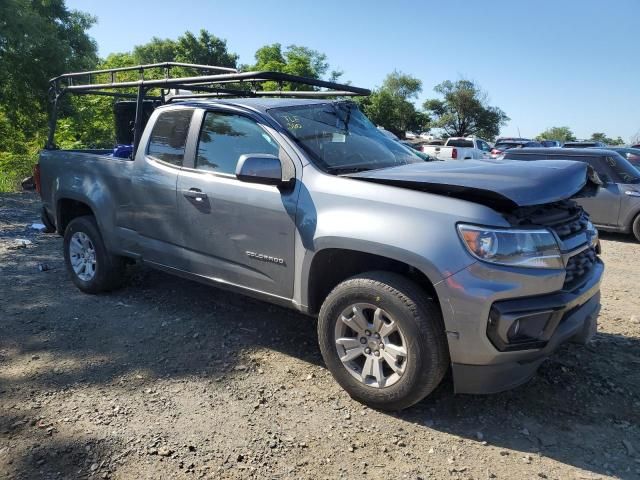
[
  {"x": 293, "y": 122},
  {"x": 338, "y": 138}
]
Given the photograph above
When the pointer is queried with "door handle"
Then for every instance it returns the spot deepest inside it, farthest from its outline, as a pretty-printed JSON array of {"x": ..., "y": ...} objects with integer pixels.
[{"x": 195, "y": 193}]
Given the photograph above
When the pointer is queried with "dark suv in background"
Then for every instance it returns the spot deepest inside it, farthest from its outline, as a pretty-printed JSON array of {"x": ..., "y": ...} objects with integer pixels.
[
  {"x": 584, "y": 144},
  {"x": 616, "y": 207}
]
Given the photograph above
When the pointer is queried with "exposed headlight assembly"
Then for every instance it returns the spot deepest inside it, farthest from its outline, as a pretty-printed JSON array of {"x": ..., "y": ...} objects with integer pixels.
[{"x": 514, "y": 247}]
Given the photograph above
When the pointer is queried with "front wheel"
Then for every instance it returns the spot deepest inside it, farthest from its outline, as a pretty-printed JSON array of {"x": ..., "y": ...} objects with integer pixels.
[
  {"x": 92, "y": 268},
  {"x": 383, "y": 340}
]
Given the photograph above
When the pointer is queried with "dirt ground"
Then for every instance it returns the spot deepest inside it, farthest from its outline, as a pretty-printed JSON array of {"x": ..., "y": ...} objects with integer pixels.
[{"x": 167, "y": 378}]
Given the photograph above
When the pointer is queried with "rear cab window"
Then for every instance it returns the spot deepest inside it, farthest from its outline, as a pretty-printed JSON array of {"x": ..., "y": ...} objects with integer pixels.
[
  {"x": 169, "y": 136},
  {"x": 460, "y": 143}
]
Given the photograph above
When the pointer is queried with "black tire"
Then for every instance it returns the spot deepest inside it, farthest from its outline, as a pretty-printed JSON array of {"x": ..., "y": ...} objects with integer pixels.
[
  {"x": 109, "y": 269},
  {"x": 420, "y": 320},
  {"x": 635, "y": 227}
]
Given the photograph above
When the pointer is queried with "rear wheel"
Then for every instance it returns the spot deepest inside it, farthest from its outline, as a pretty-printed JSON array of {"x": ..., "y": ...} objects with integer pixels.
[
  {"x": 92, "y": 268},
  {"x": 636, "y": 227},
  {"x": 383, "y": 340}
]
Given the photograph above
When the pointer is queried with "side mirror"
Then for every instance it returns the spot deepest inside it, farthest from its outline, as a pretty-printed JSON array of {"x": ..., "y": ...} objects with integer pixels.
[{"x": 260, "y": 168}]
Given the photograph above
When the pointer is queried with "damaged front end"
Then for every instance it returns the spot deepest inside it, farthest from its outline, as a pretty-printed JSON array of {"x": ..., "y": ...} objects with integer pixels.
[{"x": 503, "y": 186}]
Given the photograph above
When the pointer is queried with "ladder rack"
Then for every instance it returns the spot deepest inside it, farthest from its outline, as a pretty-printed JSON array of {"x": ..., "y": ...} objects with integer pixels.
[{"x": 209, "y": 81}]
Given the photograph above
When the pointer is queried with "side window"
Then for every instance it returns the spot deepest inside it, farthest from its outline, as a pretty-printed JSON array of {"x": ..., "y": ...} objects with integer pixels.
[
  {"x": 227, "y": 136},
  {"x": 169, "y": 136},
  {"x": 598, "y": 165},
  {"x": 484, "y": 146}
]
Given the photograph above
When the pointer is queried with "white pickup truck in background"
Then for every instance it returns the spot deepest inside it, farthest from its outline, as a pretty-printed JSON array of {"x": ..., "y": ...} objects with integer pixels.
[{"x": 459, "y": 148}]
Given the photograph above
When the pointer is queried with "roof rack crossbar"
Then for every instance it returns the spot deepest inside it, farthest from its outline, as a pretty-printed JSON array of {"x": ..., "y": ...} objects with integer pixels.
[
  {"x": 214, "y": 79},
  {"x": 163, "y": 65},
  {"x": 266, "y": 93}
]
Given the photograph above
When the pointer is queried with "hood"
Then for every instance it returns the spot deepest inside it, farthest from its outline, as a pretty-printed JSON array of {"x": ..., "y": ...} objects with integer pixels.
[{"x": 498, "y": 184}]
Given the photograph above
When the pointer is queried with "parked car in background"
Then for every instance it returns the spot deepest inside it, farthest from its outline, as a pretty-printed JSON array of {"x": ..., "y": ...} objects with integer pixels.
[
  {"x": 498, "y": 150},
  {"x": 631, "y": 154},
  {"x": 584, "y": 144},
  {"x": 459, "y": 148},
  {"x": 616, "y": 207},
  {"x": 637, "y": 145},
  {"x": 416, "y": 148},
  {"x": 513, "y": 139},
  {"x": 550, "y": 143}
]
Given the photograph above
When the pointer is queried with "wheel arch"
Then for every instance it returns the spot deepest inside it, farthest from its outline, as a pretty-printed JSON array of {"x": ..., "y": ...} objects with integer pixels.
[
  {"x": 69, "y": 207},
  {"x": 330, "y": 266}
]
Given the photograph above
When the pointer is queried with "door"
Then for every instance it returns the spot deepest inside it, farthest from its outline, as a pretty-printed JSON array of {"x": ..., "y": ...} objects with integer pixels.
[
  {"x": 604, "y": 208},
  {"x": 158, "y": 162},
  {"x": 236, "y": 232}
]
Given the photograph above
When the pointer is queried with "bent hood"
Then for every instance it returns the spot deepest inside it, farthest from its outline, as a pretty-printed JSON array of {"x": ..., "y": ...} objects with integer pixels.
[{"x": 499, "y": 184}]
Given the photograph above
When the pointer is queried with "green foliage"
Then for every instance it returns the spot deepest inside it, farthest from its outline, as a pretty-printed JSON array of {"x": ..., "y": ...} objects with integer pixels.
[
  {"x": 294, "y": 60},
  {"x": 391, "y": 105},
  {"x": 204, "y": 49},
  {"x": 601, "y": 137},
  {"x": 38, "y": 40},
  {"x": 463, "y": 110},
  {"x": 562, "y": 134}
]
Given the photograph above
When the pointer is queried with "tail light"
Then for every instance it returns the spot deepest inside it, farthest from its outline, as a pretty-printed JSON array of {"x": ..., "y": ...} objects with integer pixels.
[
  {"x": 454, "y": 153},
  {"x": 495, "y": 151},
  {"x": 36, "y": 177}
]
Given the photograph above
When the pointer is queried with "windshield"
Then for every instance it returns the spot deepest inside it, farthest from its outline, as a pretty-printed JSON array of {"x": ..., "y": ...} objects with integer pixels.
[{"x": 339, "y": 138}]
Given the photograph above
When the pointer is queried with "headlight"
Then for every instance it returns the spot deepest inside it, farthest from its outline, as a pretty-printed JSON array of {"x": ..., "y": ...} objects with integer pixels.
[{"x": 521, "y": 248}]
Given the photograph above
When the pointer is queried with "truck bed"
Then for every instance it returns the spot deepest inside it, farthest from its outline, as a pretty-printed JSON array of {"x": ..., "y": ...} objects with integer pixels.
[{"x": 94, "y": 174}]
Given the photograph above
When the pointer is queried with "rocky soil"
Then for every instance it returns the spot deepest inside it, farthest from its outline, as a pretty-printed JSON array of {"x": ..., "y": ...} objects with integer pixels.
[{"x": 167, "y": 378}]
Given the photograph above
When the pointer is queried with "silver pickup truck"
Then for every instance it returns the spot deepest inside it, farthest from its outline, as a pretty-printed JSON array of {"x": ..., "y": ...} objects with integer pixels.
[{"x": 412, "y": 268}]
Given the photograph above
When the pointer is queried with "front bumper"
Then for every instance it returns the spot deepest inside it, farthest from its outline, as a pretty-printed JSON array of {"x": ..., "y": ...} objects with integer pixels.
[{"x": 482, "y": 306}]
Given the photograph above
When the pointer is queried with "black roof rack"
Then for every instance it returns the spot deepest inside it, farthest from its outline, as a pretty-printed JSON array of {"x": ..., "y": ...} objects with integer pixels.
[{"x": 208, "y": 81}]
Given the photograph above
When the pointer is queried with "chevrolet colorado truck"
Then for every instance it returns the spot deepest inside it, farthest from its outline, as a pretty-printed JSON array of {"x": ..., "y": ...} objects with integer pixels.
[{"x": 413, "y": 268}]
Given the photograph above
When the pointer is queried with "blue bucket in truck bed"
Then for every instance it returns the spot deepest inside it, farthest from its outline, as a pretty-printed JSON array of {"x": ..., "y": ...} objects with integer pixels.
[{"x": 123, "y": 151}]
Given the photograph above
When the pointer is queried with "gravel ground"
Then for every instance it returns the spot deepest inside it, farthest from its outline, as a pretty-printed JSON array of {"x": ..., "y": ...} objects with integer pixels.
[{"x": 167, "y": 378}]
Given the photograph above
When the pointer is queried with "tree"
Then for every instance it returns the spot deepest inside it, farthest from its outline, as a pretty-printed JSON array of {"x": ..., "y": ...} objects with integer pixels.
[
  {"x": 294, "y": 60},
  {"x": 38, "y": 40},
  {"x": 561, "y": 134},
  {"x": 204, "y": 49},
  {"x": 463, "y": 110},
  {"x": 391, "y": 106},
  {"x": 601, "y": 137}
]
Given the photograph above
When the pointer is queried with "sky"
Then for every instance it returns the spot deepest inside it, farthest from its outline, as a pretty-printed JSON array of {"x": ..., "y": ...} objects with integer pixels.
[{"x": 545, "y": 63}]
